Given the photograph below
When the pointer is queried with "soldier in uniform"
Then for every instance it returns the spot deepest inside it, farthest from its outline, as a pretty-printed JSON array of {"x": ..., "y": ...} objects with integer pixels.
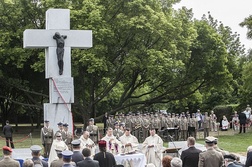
[
  {"x": 93, "y": 130},
  {"x": 128, "y": 121},
  {"x": 7, "y": 160},
  {"x": 77, "y": 156},
  {"x": 61, "y": 130},
  {"x": 210, "y": 157},
  {"x": 67, "y": 156},
  {"x": 117, "y": 131},
  {"x": 69, "y": 136},
  {"x": 36, "y": 149},
  {"x": 183, "y": 127},
  {"x": 213, "y": 119},
  {"x": 46, "y": 138},
  {"x": 206, "y": 125},
  {"x": 192, "y": 126},
  {"x": 110, "y": 121},
  {"x": 156, "y": 123},
  {"x": 137, "y": 125},
  {"x": 169, "y": 121},
  {"x": 176, "y": 123},
  {"x": 145, "y": 126}
]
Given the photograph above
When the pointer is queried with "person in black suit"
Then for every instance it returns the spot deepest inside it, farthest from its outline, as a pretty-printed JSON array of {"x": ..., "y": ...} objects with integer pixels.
[
  {"x": 77, "y": 156},
  {"x": 87, "y": 160},
  {"x": 7, "y": 131},
  {"x": 104, "y": 158},
  {"x": 190, "y": 156},
  {"x": 242, "y": 120}
]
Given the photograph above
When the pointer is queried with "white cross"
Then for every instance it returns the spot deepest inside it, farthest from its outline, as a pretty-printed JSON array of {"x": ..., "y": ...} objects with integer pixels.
[{"x": 57, "y": 20}]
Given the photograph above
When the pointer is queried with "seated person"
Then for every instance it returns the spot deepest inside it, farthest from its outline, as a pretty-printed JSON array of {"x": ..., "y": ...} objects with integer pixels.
[{"x": 224, "y": 123}]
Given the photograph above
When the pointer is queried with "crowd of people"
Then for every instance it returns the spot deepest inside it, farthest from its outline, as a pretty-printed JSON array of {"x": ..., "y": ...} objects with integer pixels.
[{"x": 122, "y": 134}]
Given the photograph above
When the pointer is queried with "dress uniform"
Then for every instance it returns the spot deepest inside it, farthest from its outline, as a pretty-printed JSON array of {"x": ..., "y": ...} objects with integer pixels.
[
  {"x": 36, "y": 149},
  {"x": 67, "y": 155},
  {"x": 206, "y": 125},
  {"x": 77, "y": 155},
  {"x": 46, "y": 138},
  {"x": 145, "y": 126},
  {"x": 61, "y": 131},
  {"x": 183, "y": 128},
  {"x": 210, "y": 157},
  {"x": 93, "y": 130},
  {"x": 69, "y": 136},
  {"x": 7, "y": 161},
  {"x": 117, "y": 131}
]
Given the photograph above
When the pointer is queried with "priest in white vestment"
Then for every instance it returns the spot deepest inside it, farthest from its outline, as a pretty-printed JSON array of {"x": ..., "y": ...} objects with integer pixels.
[
  {"x": 58, "y": 144},
  {"x": 129, "y": 142},
  {"x": 113, "y": 145},
  {"x": 153, "y": 148},
  {"x": 86, "y": 142}
]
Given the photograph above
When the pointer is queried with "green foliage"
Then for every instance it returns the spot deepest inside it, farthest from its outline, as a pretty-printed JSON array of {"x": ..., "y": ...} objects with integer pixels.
[{"x": 144, "y": 55}]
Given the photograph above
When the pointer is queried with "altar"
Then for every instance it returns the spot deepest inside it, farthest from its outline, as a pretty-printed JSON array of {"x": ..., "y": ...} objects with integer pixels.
[{"x": 136, "y": 160}]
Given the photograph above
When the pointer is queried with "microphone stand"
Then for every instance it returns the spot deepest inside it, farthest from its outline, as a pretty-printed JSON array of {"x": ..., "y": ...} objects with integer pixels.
[{"x": 171, "y": 139}]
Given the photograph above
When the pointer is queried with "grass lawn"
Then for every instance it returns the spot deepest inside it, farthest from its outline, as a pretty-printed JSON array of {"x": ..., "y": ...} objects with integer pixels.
[{"x": 230, "y": 141}]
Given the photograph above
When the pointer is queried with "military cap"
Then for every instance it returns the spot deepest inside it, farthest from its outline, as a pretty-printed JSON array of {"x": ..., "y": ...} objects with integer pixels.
[
  {"x": 102, "y": 143},
  {"x": 65, "y": 124},
  {"x": 76, "y": 142},
  {"x": 210, "y": 139},
  {"x": 35, "y": 148},
  {"x": 122, "y": 124},
  {"x": 7, "y": 148},
  {"x": 60, "y": 124},
  {"x": 116, "y": 123},
  {"x": 46, "y": 121},
  {"x": 230, "y": 157},
  {"x": 91, "y": 119},
  {"x": 67, "y": 154}
]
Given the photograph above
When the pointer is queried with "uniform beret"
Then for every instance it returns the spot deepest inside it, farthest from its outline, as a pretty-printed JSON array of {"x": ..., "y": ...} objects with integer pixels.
[
  {"x": 7, "y": 148},
  {"x": 60, "y": 124},
  {"x": 46, "y": 121}
]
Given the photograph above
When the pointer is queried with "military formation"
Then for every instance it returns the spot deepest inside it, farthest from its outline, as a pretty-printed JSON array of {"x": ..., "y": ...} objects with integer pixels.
[{"x": 169, "y": 126}]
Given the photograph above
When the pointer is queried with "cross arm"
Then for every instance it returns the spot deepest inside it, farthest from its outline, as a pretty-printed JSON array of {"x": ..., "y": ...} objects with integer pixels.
[{"x": 38, "y": 38}]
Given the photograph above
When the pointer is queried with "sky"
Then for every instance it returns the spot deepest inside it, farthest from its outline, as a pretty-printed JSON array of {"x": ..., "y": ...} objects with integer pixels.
[{"x": 229, "y": 12}]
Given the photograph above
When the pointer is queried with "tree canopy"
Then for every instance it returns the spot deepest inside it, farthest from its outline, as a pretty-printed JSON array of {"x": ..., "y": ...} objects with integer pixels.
[{"x": 145, "y": 54}]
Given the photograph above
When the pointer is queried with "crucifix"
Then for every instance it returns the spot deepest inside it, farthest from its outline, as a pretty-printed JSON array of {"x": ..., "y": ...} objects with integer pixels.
[{"x": 58, "y": 39}]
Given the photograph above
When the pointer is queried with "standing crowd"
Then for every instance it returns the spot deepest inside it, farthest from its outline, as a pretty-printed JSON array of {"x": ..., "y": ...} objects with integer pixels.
[{"x": 121, "y": 135}]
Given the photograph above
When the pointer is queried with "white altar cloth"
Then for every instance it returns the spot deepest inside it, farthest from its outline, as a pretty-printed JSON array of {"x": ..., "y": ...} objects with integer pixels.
[{"x": 138, "y": 159}]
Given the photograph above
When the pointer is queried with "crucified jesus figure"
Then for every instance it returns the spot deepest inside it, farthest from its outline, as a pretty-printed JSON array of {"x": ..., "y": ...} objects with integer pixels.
[{"x": 60, "y": 40}]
